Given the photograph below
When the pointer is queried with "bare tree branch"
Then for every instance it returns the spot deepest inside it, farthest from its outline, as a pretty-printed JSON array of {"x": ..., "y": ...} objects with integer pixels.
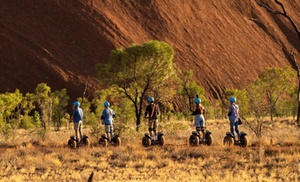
[{"x": 284, "y": 14}]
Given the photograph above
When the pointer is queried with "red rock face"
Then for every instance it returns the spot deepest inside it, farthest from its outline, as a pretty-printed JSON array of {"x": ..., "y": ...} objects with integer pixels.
[{"x": 226, "y": 44}]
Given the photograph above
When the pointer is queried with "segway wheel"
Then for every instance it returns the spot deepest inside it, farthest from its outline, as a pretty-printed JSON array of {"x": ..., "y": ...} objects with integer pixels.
[
  {"x": 209, "y": 140},
  {"x": 117, "y": 141},
  {"x": 161, "y": 140},
  {"x": 72, "y": 144},
  {"x": 103, "y": 142},
  {"x": 86, "y": 142},
  {"x": 228, "y": 141},
  {"x": 146, "y": 142},
  {"x": 194, "y": 140},
  {"x": 244, "y": 141}
]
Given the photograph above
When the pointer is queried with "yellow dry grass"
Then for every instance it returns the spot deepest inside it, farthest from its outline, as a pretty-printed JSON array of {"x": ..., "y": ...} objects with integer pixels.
[{"x": 26, "y": 159}]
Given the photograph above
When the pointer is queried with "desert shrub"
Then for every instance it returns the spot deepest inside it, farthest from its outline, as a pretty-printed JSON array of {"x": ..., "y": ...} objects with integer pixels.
[
  {"x": 65, "y": 120},
  {"x": 36, "y": 119},
  {"x": 181, "y": 116},
  {"x": 26, "y": 122},
  {"x": 96, "y": 130},
  {"x": 123, "y": 128},
  {"x": 6, "y": 130},
  {"x": 175, "y": 125},
  {"x": 38, "y": 130},
  {"x": 41, "y": 133},
  {"x": 90, "y": 120}
]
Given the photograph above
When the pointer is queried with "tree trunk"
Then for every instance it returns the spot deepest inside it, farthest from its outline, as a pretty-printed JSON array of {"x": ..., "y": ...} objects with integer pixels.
[
  {"x": 138, "y": 115},
  {"x": 138, "y": 123},
  {"x": 272, "y": 113}
]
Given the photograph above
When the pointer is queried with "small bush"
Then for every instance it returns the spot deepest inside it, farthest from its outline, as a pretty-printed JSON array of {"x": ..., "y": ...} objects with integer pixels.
[
  {"x": 26, "y": 123},
  {"x": 6, "y": 130}
]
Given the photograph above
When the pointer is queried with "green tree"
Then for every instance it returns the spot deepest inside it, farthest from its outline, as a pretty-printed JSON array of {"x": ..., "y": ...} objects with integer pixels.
[
  {"x": 27, "y": 105},
  {"x": 43, "y": 100},
  {"x": 258, "y": 107},
  {"x": 274, "y": 83},
  {"x": 272, "y": 86},
  {"x": 189, "y": 90},
  {"x": 9, "y": 103},
  {"x": 59, "y": 102},
  {"x": 293, "y": 101},
  {"x": 137, "y": 69}
]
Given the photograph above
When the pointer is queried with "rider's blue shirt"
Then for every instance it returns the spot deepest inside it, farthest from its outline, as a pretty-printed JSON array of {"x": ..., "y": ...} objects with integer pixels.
[
  {"x": 77, "y": 114},
  {"x": 108, "y": 114}
]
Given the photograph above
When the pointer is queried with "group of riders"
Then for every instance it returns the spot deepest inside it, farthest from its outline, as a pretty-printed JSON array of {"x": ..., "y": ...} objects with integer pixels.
[{"x": 152, "y": 112}]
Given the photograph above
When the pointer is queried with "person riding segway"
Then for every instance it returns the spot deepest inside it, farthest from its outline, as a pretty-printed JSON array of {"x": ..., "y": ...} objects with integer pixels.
[
  {"x": 201, "y": 135},
  {"x": 153, "y": 137}
]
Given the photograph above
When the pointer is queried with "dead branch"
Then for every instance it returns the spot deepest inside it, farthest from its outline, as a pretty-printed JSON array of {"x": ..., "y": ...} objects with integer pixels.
[
  {"x": 84, "y": 93},
  {"x": 283, "y": 13}
]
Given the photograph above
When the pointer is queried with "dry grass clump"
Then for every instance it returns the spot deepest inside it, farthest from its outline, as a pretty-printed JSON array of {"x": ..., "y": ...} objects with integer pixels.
[{"x": 50, "y": 160}]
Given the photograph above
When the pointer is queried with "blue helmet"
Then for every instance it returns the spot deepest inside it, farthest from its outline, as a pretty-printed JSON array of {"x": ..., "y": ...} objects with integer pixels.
[
  {"x": 76, "y": 103},
  {"x": 197, "y": 100},
  {"x": 232, "y": 99},
  {"x": 150, "y": 99},
  {"x": 106, "y": 104}
]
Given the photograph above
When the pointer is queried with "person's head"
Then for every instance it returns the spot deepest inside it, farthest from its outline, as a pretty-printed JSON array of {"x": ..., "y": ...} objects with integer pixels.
[
  {"x": 106, "y": 104},
  {"x": 150, "y": 99},
  {"x": 197, "y": 101},
  {"x": 232, "y": 99},
  {"x": 76, "y": 104}
]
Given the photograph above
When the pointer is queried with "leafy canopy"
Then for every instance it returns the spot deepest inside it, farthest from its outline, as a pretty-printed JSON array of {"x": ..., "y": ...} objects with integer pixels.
[
  {"x": 138, "y": 66},
  {"x": 138, "y": 69}
]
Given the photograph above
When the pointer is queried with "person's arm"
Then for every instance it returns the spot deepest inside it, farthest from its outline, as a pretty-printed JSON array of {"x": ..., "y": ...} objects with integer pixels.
[
  {"x": 72, "y": 116},
  {"x": 230, "y": 111},
  {"x": 113, "y": 113},
  {"x": 103, "y": 116},
  {"x": 147, "y": 111},
  {"x": 194, "y": 112},
  {"x": 202, "y": 109}
]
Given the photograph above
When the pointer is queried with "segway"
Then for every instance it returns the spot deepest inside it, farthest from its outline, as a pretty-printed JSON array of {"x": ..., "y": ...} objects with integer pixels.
[
  {"x": 230, "y": 141},
  {"x": 196, "y": 139},
  {"x": 84, "y": 142},
  {"x": 158, "y": 140},
  {"x": 104, "y": 140}
]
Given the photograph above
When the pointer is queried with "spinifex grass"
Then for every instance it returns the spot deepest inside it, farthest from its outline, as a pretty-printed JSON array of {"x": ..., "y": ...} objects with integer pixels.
[{"x": 27, "y": 159}]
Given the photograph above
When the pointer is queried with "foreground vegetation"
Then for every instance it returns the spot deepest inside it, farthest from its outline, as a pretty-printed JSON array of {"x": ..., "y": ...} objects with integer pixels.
[
  {"x": 35, "y": 127},
  {"x": 141, "y": 71},
  {"x": 275, "y": 157}
]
